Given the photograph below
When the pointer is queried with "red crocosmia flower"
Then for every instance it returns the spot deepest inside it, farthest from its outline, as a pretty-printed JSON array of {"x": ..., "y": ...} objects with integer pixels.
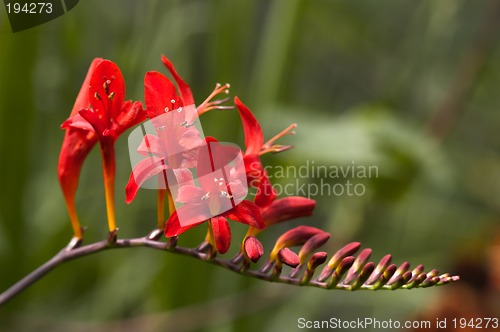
[
  {"x": 76, "y": 145},
  {"x": 218, "y": 198},
  {"x": 254, "y": 142},
  {"x": 161, "y": 97},
  {"x": 187, "y": 95},
  {"x": 108, "y": 116},
  {"x": 159, "y": 150}
]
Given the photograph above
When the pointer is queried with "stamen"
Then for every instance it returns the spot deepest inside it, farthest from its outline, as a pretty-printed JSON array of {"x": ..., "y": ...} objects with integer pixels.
[
  {"x": 187, "y": 125},
  {"x": 105, "y": 86},
  {"x": 96, "y": 96},
  {"x": 166, "y": 109},
  {"x": 269, "y": 147},
  {"x": 172, "y": 101},
  {"x": 209, "y": 104},
  {"x": 111, "y": 95},
  {"x": 206, "y": 196},
  {"x": 224, "y": 194},
  {"x": 161, "y": 128}
]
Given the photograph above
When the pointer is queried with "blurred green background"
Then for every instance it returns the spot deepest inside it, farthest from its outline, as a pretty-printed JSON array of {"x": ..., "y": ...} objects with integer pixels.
[{"x": 408, "y": 86}]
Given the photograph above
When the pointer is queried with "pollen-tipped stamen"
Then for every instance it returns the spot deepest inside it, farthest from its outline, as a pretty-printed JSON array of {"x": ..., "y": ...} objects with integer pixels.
[
  {"x": 210, "y": 104},
  {"x": 269, "y": 147}
]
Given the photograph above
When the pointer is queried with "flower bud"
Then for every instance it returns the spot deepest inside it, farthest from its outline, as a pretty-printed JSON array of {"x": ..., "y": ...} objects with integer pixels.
[
  {"x": 253, "y": 249},
  {"x": 288, "y": 257}
]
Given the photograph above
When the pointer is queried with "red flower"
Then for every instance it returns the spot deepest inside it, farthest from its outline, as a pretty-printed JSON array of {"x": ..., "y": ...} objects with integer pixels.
[
  {"x": 218, "y": 198},
  {"x": 272, "y": 210},
  {"x": 161, "y": 97},
  {"x": 76, "y": 145},
  {"x": 254, "y": 142},
  {"x": 160, "y": 150},
  {"x": 108, "y": 116}
]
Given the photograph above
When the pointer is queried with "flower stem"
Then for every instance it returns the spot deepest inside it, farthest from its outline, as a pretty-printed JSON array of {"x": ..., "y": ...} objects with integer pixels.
[
  {"x": 71, "y": 252},
  {"x": 108, "y": 170},
  {"x": 171, "y": 205},
  {"x": 160, "y": 215},
  {"x": 73, "y": 217}
]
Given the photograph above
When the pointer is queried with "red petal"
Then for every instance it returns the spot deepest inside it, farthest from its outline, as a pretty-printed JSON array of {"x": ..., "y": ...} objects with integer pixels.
[
  {"x": 173, "y": 226},
  {"x": 130, "y": 115},
  {"x": 159, "y": 92},
  {"x": 75, "y": 148},
  {"x": 287, "y": 208},
  {"x": 77, "y": 121},
  {"x": 106, "y": 80},
  {"x": 254, "y": 137},
  {"x": 247, "y": 213},
  {"x": 266, "y": 192},
  {"x": 143, "y": 170},
  {"x": 237, "y": 190},
  {"x": 151, "y": 144},
  {"x": 222, "y": 234},
  {"x": 190, "y": 194},
  {"x": 77, "y": 143},
  {"x": 96, "y": 120},
  {"x": 82, "y": 100},
  {"x": 186, "y": 94},
  {"x": 253, "y": 168}
]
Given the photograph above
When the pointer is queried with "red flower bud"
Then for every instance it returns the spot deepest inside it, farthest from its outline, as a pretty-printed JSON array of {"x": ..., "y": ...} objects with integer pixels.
[
  {"x": 288, "y": 257},
  {"x": 253, "y": 249}
]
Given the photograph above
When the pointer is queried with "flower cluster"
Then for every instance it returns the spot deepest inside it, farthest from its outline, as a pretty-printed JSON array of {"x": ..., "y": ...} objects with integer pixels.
[
  {"x": 101, "y": 114},
  {"x": 203, "y": 180}
]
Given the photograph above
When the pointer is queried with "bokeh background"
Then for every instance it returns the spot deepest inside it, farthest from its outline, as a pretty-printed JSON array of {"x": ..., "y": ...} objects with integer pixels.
[{"x": 408, "y": 86}]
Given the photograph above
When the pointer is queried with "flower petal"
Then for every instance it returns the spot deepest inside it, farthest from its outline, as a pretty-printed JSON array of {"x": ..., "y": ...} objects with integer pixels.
[
  {"x": 222, "y": 233},
  {"x": 159, "y": 92},
  {"x": 95, "y": 119},
  {"x": 173, "y": 226},
  {"x": 189, "y": 194},
  {"x": 143, "y": 170},
  {"x": 77, "y": 121},
  {"x": 151, "y": 144},
  {"x": 253, "y": 169},
  {"x": 247, "y": 213},
  {"x": 82, "y": 100},
  {"x": 185, "y": 91},
  {"x": 287, "y": 208},
  {"x": 107, "y": 89},
  {"x": 79, "y": 139},
  {"x": 254, "y": 137},
  {"x": 130, "y": 115},
  {"x": 266, "y": 193}
]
